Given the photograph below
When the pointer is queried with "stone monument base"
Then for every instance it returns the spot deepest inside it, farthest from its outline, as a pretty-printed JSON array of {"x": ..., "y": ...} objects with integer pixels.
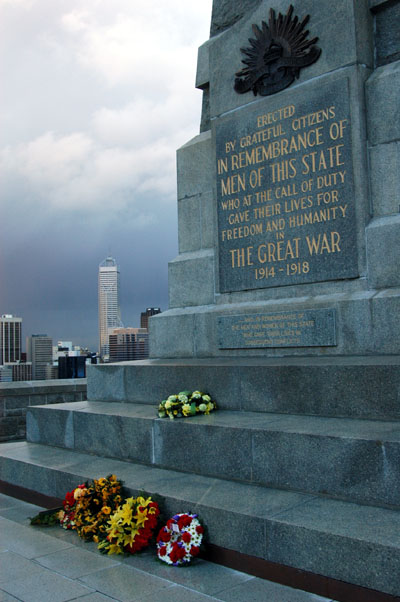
[{"x": 304, "y": 482}]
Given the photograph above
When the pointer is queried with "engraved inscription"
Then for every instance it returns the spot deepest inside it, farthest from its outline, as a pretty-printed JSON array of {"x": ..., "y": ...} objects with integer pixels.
[
  {"x": 285, "y": 192},
  {"x": 307, "y": 328}
]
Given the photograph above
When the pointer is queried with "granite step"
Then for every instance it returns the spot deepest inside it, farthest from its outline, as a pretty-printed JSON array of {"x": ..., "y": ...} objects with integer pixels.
[
  {"x": 355, "y": 387},
  {"x": 354, "y": 460},
  {"x": 346, "y": 541}
]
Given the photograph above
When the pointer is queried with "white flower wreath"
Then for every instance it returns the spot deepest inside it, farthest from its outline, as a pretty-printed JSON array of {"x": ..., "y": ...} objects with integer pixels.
[{"x": 180, "y": 539}]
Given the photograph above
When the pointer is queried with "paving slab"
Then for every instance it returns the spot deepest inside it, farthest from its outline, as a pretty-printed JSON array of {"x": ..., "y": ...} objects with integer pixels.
[
  {"x": 45, "y": 586},
  {"x": 80, "y": 572},
  {"x": 80, "y": 563},
  {"x": 177, "y": 593},
  {"x": 125, "y": 583},
  {"x": 96, "y": 597},
  {"x": 208, "y": 578},
  {"x": 258, "y": 589},
  {"x": 14, "y": 566},
  {"x": 4, "y": 597},
  {"x": 26, "y": 542}
]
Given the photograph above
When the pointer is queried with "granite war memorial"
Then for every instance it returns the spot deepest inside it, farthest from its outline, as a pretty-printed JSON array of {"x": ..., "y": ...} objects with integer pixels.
[{"x": 284, "y": 304}]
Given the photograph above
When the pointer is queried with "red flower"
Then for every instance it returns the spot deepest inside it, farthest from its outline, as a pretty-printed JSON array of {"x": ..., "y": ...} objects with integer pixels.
[
  {"x": 162, "y": 551},
  {"x": 151, "y": 521},
  {"x": 177, "y": 553},
  {"x": 184, "y": 521},
  {"x": 170, "y": 522},
  {"x": 200, "y": 529},
  {"x": 163, "y": 535},
  {"x": 186, "y": 537},
  {"x": 194, "y": 550},
  {"x": 69, "y": 498}
]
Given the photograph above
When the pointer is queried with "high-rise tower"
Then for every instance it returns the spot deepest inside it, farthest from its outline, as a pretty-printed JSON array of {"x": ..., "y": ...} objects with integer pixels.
[
  {"x": 39, "y": 351},
  {"x": 109, "y": 311},
  {"x": 10, "y": 339}
]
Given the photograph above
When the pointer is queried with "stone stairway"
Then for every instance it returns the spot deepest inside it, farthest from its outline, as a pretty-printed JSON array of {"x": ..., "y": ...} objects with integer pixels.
[{"x": 295, "y": 484}]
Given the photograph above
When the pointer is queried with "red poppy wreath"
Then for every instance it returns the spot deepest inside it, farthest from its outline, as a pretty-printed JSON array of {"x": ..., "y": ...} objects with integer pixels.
[{"x": 179, "y": 541}]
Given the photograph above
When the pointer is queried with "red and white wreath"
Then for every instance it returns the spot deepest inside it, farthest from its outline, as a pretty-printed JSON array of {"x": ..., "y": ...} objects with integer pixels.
[{"x": 180, "y": 539}]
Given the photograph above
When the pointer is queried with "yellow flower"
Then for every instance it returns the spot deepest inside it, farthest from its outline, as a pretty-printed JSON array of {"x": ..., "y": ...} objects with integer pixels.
[
  {"x": 114, "y": 549},
  {"x": 141, "y": 518},
  {"x": 125, "y": 514},
  {"x": 106, "y": 510},
  {"x": 186, "y": 409},
  {"x": 129, "y": 538}
]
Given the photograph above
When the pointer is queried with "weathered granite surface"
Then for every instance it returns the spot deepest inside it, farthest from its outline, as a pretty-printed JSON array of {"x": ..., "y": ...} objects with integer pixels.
[
  {"x": 355, "y": 387},
  {"x": 16, "y": 397},
  {"x": 307, "y": 454},
  {"x": 203, "y": 289},
  {"x": 346, "y": 541}
]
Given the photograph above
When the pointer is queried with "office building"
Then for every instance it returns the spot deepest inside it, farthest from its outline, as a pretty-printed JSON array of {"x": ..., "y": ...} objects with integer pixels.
[
  {"x": 145, "y": 315},
  {"x": 109, "y": 310},
  {"x": 39, "y": 351},
  {"x": 51, "y": 372},
  {"x": 5, "y": 374},
  {"x": 70, "y": 366},
  {"x": 21, "y": 371},
  {"x": 10, "y": 339},
  {"x": 128, "y": 344}
]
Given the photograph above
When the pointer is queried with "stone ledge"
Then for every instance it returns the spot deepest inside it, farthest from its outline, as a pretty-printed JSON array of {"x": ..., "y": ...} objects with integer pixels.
[
  {"x": 306, "y": 454},
  {"x": 375, "y": 310},
  {"x": 34, "y": 387},
  {"x": 16, "y": 397},
  {"x": 349, "y": 542},
  {"x": 361, "y": 387}
]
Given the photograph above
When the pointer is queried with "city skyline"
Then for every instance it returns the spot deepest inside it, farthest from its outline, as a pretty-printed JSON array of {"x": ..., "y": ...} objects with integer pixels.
[{"x": 87, "y": 158}]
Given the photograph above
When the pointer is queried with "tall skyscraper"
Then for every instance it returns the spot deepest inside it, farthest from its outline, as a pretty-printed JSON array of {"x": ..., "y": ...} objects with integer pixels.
[
  {"x": 39, "y": 351},
  {"x": 109, "y": 311},
  {"x": 10, "y": 339}
]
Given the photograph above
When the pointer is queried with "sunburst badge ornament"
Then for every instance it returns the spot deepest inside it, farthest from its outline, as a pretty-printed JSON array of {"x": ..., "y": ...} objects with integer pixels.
[{"x": 276, "y": 55}]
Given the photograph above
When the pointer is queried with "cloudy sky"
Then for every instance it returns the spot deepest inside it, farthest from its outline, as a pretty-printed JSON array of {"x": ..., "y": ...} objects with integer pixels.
[{"x": 96, "y": 96}]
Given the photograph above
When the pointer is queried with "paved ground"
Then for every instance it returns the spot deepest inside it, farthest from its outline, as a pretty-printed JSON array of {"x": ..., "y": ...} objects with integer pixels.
[{"x": 54, "y": 565}]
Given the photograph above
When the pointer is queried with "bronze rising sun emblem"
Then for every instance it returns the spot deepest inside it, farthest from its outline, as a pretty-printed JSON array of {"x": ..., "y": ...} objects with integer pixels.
[{"x": 277, "y": 53}]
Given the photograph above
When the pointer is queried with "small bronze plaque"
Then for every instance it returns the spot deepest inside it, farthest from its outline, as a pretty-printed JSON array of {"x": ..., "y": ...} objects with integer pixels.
[{"x": 306, "y": 328}]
